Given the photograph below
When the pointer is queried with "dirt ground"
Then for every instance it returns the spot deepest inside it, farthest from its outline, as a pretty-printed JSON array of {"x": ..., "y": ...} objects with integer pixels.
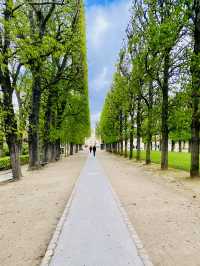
[
  {"x": 30, "y": 210},
  {"x": 164, "y": 208}
]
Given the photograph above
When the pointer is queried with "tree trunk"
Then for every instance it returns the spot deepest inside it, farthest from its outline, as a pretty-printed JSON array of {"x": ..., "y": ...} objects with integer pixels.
[
  {"x": 53, "y": 152},
  {"x": 126, "y": 147},
  {"x": 65, "y": 149},
  {"x": 131, "y": 136},
  {"x": 164, "y": 127},
  {"x": 33, "y": 132},
  {"x": 149, "y": 124},
  {"x": 76, "y": 148},
  {"x": 180, "y": 146},
  {"x": 15, "y": 160},
  {"x": 10, "y": 121},
  {"x": 80, "y": 147},
  {"x": 71, "y": 152},
  {"x": 184, "y": 145},
  {"x": 195, "y": 71},
  {"x": 160, "y": 144},
  {"x": 138, "y": 128},
  {"x": 173, "y": 145},
  {"x": 48, "y": 148},
  {"x": 47, "y": 152},
  {"x": 121, "y": 147},
  {"x": 117, "y": 147},
  {"x": 189, "y": 145},
  {"x": 125, "y": 137},
  {"x": 155, "y": 143},
  {"x": 10, "y": 125},
  {"x": 58, "y": 149},
  {"x": 1, "y": 147},
  {"x": 121, "y": 132}
]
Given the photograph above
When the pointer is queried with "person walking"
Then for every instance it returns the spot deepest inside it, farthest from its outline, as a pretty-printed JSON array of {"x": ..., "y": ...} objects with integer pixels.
[
  {"x": 94, "y": 150},
  {"x": 90, "y": 148}
]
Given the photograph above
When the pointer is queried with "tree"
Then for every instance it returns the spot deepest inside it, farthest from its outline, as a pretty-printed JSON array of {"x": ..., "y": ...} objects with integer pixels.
[
  {"x": 8, "y": 56},
  {"x": 195, "y": 91}
]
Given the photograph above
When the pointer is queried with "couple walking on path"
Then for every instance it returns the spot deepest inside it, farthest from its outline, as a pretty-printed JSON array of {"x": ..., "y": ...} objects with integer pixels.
[{"x": 93, "y": 149}]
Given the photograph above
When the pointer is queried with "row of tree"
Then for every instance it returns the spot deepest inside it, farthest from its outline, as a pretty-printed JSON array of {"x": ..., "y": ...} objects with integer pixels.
[
  {"x": 156, "y": 88},
  {"x": 43, "y": 78}
]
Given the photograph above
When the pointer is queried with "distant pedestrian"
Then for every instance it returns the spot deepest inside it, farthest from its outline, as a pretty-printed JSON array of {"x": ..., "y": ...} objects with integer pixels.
[
  {"x": 90, "y": 149},
  {"x": 94, "y": 150}
]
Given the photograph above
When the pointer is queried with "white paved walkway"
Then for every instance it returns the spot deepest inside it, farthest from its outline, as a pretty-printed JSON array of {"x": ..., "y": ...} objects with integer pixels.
[{"x": 94, "y": 233}]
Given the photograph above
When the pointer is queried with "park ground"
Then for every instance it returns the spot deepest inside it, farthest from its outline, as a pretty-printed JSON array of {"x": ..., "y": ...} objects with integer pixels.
[
  {"x": 164, "y": 208},
  {"x": 30, "y": 210}
]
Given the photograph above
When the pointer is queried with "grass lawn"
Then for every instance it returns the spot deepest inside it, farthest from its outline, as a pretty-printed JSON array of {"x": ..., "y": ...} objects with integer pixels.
[{"x": 178, "y": 160}]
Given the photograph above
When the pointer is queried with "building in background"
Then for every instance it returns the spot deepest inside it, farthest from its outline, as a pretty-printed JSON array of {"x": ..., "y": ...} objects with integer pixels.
[{"x": 92, "y": 140}]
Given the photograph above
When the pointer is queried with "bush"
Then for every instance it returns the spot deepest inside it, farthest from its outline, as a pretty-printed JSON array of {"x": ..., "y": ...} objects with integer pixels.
[
  {"x": 24, "y": 149},
  {"x": 5, "y": 162},
  {"x": 5, "y": 150},
  {"x": 24, "y": 159}
]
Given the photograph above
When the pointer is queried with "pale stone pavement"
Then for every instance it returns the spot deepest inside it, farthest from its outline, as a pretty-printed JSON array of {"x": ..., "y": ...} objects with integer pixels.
[{"x": 94, "y": 232}]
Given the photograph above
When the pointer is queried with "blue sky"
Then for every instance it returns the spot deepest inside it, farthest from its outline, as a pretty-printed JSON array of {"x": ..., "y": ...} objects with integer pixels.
[
  {"x": 106, "y": 23},
  {"x": 98, "y": 2}
]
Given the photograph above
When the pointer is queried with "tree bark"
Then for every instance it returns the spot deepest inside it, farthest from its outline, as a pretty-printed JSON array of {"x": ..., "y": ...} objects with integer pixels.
[
  {"x": 184, "y": 145},
  {"x": 76, "y": 148},
  {"x": 121, "y": 133},
  {"x": 58, "y": 149},
  {"x": 131, "y": 138},
  {"x": 33, "y": 132},
  {"x": 11, "y": 133},
  {"x": 65, "y": 152},
  {"x": 1, "y": 147},
  {"x": 10, "y": 121},
  {"x": 80, "y": 147},
  {"x": 189, "y": 145},
  {"x": 180, "y": 146},
  {"x": 155, "y": 143},
  {"x": 71, "y": 152},
  {"x": 117, "y": 147},
  {"x": 173, "y": 145},
  {"x": 164, "y": 127},
  {"x": 47, "y": 152},
  {"x": 138, "y": 128},
  {"x": 53, "y": 152},
  {"x": 125, "y": 137},
  {"x": 195, "y": 71},
  {"x": 126, "y": 147},
  {"x": 160, "y": 144},
  {"x": 149, "y": 124}
]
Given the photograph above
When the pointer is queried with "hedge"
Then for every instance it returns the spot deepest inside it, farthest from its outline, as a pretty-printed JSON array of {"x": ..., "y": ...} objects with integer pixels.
[{"x": 5, "y": 162}]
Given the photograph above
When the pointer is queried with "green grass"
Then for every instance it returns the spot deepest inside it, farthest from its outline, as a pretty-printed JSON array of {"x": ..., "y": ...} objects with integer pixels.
[{"x": 178, "y": 160}]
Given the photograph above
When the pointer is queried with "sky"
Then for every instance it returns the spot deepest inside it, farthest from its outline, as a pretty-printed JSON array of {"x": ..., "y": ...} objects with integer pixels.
[{"x": 106, "y": 21}]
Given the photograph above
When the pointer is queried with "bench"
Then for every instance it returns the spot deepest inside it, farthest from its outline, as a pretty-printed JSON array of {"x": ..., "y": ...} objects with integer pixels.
[{"x": 42, "y": 163}]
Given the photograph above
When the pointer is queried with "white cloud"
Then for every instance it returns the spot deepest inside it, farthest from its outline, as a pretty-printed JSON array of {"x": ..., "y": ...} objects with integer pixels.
[
  {"x": 95, "y": 118},
  {"x": 99, "y": 29},
  {"x": 101, "y": 80},
  {"x": 105, "y": 32}
]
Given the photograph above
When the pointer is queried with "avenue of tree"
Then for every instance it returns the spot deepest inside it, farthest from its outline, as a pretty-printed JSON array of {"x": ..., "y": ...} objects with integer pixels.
[
  {"x": 156, "y": 88},
  {"x": 43, "y": 79}
]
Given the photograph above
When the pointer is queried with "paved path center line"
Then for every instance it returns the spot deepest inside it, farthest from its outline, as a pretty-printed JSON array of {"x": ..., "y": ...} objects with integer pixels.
[{"x": 94, "y": 233}]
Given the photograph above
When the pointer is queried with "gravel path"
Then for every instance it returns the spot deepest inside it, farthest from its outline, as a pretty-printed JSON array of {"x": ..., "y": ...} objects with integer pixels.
[
  {"x": 164, "y": 207},
  {"x": 94, "y": 232}
]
